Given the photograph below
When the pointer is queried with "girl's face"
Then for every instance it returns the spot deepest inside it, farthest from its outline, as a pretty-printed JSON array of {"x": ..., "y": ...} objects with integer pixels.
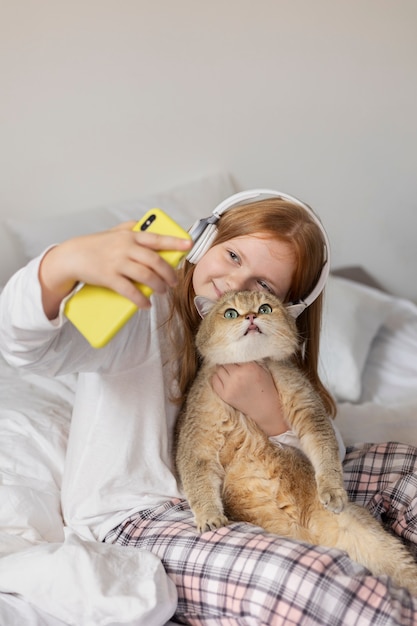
[{"x": 253, "y": 262}]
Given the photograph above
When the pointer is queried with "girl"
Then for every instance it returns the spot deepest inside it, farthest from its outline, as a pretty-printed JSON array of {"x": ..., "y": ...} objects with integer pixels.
[{"x": 119, "y": 485}]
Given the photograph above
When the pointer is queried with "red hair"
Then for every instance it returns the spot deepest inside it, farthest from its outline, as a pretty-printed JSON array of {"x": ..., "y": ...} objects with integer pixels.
[{"x": 286, "y": 222}]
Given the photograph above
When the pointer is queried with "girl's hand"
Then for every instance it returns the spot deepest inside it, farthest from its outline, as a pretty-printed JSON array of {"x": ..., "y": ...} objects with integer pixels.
[
  {"x": 116, "y": 258},
  {"x": 250, "y": 388}
]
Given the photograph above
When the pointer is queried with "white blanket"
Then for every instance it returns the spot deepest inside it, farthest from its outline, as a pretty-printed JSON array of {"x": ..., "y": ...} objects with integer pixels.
[
  {"x": 48, "y": 575},
  {"x": 85, "y": 583}
]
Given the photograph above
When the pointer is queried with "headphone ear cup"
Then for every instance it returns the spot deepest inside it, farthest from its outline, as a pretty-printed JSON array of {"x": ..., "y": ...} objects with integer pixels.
[
  {"x": 296, "y": 309},
  {"x": 202, "y": 244}
]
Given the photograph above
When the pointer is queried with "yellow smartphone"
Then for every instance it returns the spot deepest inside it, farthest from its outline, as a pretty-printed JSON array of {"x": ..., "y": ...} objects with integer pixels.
[{"x": 98, "y": 312}]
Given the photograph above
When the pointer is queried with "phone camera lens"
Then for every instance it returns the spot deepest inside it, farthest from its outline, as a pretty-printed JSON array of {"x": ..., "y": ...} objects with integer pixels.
[{"x": 148, "y": 222}]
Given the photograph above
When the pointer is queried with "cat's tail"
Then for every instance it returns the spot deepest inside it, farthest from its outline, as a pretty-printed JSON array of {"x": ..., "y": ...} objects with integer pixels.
[{"x": 355, "y": 531}]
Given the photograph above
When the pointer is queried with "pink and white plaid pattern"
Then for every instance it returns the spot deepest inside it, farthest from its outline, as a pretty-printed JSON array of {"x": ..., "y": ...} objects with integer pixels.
[{"x": 242, "y": 575}]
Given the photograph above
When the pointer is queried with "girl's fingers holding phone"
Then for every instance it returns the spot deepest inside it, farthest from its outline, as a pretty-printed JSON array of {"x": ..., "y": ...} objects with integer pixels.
[
  {"x": 109, "y": 258},
  {"x": 150, "y": 270},
  {"x": 154, "y": 241},
  {"x": 158, "y": 242},
  {"x": 140, "y": 265},
  {"x": 136, "y": 255},
  {"x": 127, "y": 288}
]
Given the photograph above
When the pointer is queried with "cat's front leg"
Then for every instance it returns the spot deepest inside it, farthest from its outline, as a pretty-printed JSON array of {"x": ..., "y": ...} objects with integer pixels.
[
  {"x": 331, "y": 491},
  {"x": 321, "y": 448},
  {"x": 210, "y": 518},
  {"x": 199, "y": 437},
  {"x": 307, "y": 417},
  {"x": 202, "y": 488},
  {"x": 201, "y": 474}
]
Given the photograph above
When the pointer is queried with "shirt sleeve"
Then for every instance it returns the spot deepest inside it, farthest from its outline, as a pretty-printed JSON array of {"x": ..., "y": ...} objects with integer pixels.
[{"x": 28, "y": 338}]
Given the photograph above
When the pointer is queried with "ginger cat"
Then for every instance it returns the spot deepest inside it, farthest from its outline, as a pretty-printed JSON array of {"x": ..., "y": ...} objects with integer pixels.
[{"x": 230, "y": 470}]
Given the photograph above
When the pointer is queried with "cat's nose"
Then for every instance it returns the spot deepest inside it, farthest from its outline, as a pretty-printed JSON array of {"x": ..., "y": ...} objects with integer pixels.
[{"x": 251, "y": 317}]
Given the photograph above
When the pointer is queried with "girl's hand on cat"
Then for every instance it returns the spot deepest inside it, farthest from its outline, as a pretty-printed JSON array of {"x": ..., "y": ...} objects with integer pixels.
[
  {"x": 116, "y": 258},
  {"x": 249, "y": 388}
]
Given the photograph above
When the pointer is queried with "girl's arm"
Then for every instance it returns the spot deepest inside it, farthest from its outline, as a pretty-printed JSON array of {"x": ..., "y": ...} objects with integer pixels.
[
  {"x": 114, "y": 258},
  {"x": 33, "y": 333},
  {"x": 249, "y": 388}
]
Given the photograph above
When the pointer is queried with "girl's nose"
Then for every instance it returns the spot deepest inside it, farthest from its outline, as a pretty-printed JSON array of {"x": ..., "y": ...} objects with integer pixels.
[
  {"x": 237, "y": 281},
  {"x": 233, "y": 284}
]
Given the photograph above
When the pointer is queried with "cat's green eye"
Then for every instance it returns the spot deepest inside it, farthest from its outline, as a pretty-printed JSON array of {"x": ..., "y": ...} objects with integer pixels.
[
  {"x": 265, "y": 309},
  {"x": 231, "y": 314}
]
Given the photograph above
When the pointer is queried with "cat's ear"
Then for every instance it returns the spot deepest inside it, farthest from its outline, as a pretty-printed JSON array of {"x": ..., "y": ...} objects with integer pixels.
[{"x": 203, "y": 305}]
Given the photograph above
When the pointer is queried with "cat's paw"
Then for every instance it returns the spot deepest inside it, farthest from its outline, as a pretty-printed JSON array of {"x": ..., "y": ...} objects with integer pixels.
[
  {"x": 212, "y": 520},
  {"x": 333, "y": 497}
]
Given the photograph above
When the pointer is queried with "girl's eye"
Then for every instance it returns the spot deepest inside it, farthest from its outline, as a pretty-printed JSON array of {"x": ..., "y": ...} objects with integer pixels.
[
  {"x": 265, "y": 286},
  {"x": 265, "y": 309},
  {"x": 231, "y": 314},
  {"x": 234, "y": 256}
]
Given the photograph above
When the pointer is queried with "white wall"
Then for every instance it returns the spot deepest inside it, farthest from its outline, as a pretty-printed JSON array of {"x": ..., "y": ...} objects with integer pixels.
[{"x": 102, "y": 100}]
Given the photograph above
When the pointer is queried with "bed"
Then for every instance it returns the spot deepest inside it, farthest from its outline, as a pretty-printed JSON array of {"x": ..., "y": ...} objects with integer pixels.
[{"x": 49, "y": 575}]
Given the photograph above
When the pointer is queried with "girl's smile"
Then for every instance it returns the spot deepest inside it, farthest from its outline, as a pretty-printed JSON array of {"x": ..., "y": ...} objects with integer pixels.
[{"x": 253, "y": 262}]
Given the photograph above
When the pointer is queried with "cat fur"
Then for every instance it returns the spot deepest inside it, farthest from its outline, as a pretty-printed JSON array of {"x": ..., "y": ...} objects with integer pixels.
[{"x": 231, "y": 471}]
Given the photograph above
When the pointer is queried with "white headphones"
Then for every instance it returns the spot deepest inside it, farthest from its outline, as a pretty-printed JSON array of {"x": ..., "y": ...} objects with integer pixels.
[{"x": 204, "y": 231}]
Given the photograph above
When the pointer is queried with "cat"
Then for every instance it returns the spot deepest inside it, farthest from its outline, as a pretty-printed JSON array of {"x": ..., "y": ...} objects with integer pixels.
[{"x": 230, "y": 470}]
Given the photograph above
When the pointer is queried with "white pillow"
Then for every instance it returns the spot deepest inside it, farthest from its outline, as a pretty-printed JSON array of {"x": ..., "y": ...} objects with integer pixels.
[
  {"x": 352, "y": 316},
  {"x": 390, "y": 374},
  {"x": 184, "y": 203}
]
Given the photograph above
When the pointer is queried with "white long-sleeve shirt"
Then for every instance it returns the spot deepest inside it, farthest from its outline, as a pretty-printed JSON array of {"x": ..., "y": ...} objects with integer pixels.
[{"x": 119, "y": 457}]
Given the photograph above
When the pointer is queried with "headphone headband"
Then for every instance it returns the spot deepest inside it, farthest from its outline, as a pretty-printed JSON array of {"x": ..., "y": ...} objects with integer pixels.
[{"x": 204, "y": 231}]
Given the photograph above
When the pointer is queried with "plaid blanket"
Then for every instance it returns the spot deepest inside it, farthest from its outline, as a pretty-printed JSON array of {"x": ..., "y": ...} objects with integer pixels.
[{"x": 241, "y": 575}]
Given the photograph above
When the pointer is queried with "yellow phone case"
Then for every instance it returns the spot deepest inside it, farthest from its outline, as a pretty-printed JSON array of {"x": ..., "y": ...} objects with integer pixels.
[{"x": 98, "y": 312}]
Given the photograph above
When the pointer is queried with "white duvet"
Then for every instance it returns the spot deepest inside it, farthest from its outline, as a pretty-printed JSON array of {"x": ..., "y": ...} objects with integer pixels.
[{"x": 50, "y": 577}]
